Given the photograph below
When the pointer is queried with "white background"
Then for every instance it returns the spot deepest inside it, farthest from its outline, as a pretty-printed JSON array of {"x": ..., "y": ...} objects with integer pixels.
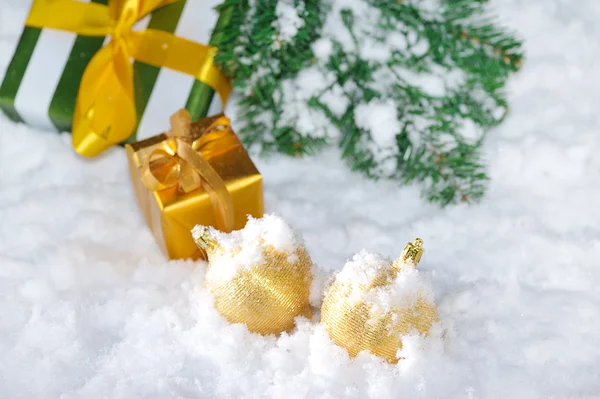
[{"x": 89, "y": 308}]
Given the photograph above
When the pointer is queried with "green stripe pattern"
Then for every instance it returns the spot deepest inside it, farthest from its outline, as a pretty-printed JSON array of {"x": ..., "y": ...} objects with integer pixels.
[{"x": 16, "y": 70}]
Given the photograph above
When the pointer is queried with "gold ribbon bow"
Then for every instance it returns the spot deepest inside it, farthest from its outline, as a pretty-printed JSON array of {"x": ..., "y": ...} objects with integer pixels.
[
  {"x": 105, "y": 111},
  {"x": 178, "y": 162}
]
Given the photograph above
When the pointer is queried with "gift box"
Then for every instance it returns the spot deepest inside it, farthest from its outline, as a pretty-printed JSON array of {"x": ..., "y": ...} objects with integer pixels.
[
  {"x": 72, "y": 69},
  {"x": 195, "y": 173}
]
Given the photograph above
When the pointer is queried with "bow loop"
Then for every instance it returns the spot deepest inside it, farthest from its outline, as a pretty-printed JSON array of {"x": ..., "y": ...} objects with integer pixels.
[
  {"x": 171, "y": 164},
  {"x": 125, "y": 15},
  {"x": 176, "y": 164},
  {"x": 181, "y": 123}
]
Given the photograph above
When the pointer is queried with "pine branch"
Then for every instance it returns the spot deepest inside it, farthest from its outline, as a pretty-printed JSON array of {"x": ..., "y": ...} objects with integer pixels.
[{"x": 406, "y": 92}]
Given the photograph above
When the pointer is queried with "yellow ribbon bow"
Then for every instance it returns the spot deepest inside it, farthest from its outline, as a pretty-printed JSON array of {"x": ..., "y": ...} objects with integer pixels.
[
  {"x": 178, "y": 162},
  {"x": 105, "y": 111}
]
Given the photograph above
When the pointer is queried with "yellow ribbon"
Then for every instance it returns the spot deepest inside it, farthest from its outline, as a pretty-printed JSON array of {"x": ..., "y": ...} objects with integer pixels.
[
  {"x": 179, "y": 162},
  {"x": 105, "y": 111}
]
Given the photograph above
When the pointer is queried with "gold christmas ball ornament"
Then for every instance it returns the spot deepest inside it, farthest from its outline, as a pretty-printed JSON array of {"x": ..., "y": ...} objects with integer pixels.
[
  {"x": 259, "y": 276},
  {"x": 373, "y": 302}
]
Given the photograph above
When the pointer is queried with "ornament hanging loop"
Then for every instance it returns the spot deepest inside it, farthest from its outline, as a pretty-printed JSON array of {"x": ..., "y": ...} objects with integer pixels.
[
  {"x": 204, "y": 239},
  {"x": 412, "y": 253}
]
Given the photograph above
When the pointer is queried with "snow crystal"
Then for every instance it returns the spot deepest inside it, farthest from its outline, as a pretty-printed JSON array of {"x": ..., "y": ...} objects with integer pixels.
[
  {"x": 380, "y": 120},
  {"x": 334, "y": 27},
  {"x": 420, "y": 124},
  {"x": 322, "y": 48},
  {"x": 402, "y": 292},
  {"x": 430, "y": 84},
  {"x": 311, "y": 80},
  {"x": 258, "y": 74},
  {"x": 274, "y": 231},
  {"x": 470, "y": 131},
  {"x": 420, "y": 48},
  {"x": 362, "y": 268},
  {"x": 296, "y": 92},
  {"x": 412, "y": 36},
  {"x": 374, "y": 50},
  {"x": 407, "y": 287},
  {"x": 428, "y": 8},
  {"x": 498, "y": 112},
  {"x": 288, "y": 22},
  {"x": 336, "y": 100},
  {"x": 454, "y": 78},
  {"x": 396, "y": 41},
  {"x": 243, "y": 249}
]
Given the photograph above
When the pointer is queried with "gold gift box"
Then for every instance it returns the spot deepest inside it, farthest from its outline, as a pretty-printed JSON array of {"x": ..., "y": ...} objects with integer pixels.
[{"x": 171, "y": 213}]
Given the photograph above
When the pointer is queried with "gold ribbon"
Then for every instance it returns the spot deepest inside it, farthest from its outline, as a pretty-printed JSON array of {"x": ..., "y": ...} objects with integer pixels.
[
  {"x": 105, "y": 111},
  {"x": 178, "y": 162}
]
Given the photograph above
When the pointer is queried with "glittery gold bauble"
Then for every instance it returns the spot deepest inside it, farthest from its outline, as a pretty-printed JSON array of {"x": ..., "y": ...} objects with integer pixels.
[
  {"x": 266, "y": 296},
  {"x": 355, "y": 323}
]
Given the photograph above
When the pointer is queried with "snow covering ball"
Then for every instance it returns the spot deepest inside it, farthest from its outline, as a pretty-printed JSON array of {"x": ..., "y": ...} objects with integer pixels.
[
  {"x": 259, "y": 276},
  {"x": 373, "y": 303}
]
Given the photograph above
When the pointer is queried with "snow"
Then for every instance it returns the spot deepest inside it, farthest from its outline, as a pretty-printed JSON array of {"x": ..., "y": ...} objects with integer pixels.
[
  {"x": 244, "y": 249},
  {"x": 428, "y": 83},
  {"x": 288, "y": 21},
  {"x": 315, "y": 102},
  {"x": 90, "y": 309},
  {"x": 402, "y": 290},
  {"x": 363, "y": 268},
  {"x": 380, "y": 120},
  {"x": 323, "y": 48},
  {"x": 296, "y": 92}
]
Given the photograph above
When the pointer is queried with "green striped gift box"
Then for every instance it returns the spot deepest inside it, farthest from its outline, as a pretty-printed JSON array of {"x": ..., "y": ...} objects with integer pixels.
[{"x": 42, "y": 80}]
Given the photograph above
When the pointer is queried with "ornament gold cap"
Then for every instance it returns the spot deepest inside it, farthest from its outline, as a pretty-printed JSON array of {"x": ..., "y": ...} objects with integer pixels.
[
  {"x": 412, "y": 253},
  {"x": 203, "y": 238}
]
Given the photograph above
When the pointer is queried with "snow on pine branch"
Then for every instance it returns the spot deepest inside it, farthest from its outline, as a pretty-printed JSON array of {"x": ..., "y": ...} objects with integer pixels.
[
  {"x": 288, "y": 22},
  {"x": 406, "y": 89}
]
